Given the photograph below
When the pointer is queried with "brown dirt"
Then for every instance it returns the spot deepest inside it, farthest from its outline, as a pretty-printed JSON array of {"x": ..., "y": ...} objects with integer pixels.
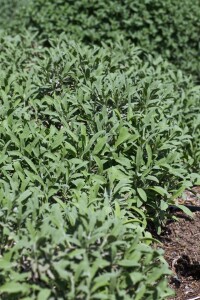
[{"x": 181, "y": 242}]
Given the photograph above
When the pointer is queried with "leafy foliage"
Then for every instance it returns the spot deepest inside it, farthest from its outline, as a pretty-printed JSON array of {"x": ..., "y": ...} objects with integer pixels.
[
  {"x": 170, "y": 28},
  {"x": 92, "y": 143},
  {"x": 97, "y": 139}
]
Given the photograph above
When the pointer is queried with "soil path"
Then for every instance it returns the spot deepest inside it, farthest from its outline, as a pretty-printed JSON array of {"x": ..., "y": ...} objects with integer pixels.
[{"x": 181, "y": 242}]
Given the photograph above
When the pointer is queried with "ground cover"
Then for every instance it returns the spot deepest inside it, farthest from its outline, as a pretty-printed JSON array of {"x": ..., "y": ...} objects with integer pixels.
[
  {"x": 84, "y": 144},
  {"x": 98, "y": 140},
  {"x": 169, "y": 28}
]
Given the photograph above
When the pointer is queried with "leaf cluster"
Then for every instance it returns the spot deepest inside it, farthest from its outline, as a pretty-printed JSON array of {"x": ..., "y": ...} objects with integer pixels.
[
  {"x": 168, "y": 28},
  {"x": 93, "y": 144},
  {"x": 97, "y": 138}
]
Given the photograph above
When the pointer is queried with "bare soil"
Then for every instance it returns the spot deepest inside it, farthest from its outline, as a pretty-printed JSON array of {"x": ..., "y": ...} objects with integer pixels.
[{"x": 181, "y": 242}]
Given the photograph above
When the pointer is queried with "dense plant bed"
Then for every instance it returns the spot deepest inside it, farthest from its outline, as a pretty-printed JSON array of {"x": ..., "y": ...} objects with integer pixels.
[
  {"x": 170, "y": 28},
  {"x": 94, "y": 142}
]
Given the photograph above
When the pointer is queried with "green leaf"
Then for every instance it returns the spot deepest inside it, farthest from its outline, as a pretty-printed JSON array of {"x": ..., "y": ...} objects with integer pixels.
[
  {"x": 160, "y": 190},
  {"x": 92, "y": 140},
  {"x": 178, "y": 193},
  {"x": 163, "y": 205},
  {"x": 186, "y": 210},
  {"x": 14, "y": 287},
  {"x": 57, "y": 141},
  {"x": 30, "y": 163},
  {"x": 139, "y": 159},
  {"x": 149, "y": 154},
  {"x": 128, "y": 263},
  {"x": 102, "y": 281},
  {"x": 44, "y": 294},
  {"x": 142, "y": 194},
  {"x": 140, "y": 292},
  {"x": 24, "y": 196},
  {"x": 152, "y": 178},
  {"x": 124, "y": 135},
  {"x": 117, "y": 210},
  {"x": 136, "y": 277},
  {"x": 99, "y": 145}
]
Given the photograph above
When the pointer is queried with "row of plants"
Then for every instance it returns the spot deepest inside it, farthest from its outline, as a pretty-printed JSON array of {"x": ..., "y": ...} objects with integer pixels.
[
  {"x": 95, "y": 142},
  {"x": 170, "y": 28},
  {"x": 99, "y": 133}
]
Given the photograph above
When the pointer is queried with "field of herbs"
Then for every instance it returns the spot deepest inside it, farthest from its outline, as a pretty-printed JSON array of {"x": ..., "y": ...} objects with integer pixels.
[{"x": 99, "y": 134}]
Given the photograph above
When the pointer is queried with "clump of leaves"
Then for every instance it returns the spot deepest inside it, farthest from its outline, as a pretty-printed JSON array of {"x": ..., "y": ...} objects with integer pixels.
[
  {"x": 94, "y": 142},
  {"x": 80, "y": 251},
  {"x": 169, "y": 28}
]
